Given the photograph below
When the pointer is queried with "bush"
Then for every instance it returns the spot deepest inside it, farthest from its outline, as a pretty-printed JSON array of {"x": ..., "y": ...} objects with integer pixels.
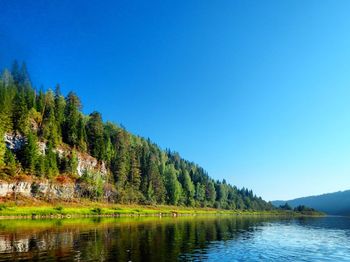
[
  {"x": 2, "y": 207},
  {"x": 34, "y": 189},
  {"x": 59, "y": 209},
  {"x": 97, "y": 210}
]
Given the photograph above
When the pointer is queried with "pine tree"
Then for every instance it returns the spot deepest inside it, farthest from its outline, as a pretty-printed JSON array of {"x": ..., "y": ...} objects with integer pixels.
[
  {"x": 50, "y": 125},
  {"x": 73, "y": 163},
  {"x": 210, "y": 193},
  {"x": 40, "y": 166},
  {"x": 173, "y": 186},
  {"x": 156, "y": 190},
  {"x": 81, "y": 132},
  {"x": 15, "y": 71},
  {"x": 20, "y": 114},
  {"x": 29, "y": 153},
  {"x": 135, "y": 172},
  {"x": 51, "y": 167},
  {"x": 94, "y": 132},
  {"x": 188, "y": 188},
  {"x": 60, "y": 104},
  {"x": 200, "y": 193},
  {"x": 6, "y": 97},
  {"x": 10, "y": 162},
  {"x": 70, "y": 130}
]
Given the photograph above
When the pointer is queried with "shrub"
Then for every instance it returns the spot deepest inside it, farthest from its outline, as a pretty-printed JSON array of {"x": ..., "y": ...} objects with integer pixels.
[
  {"x": 59, "y": 208},
  {"x": 97, "y": 210},
  {"x": 34, "y": 189}
]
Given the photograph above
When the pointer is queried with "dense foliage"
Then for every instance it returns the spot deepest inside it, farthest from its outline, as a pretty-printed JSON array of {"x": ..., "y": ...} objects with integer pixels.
[{"x": 138, "y": 170}]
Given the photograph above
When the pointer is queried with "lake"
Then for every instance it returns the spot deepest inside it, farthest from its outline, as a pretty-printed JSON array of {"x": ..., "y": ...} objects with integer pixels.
[{"x": 214, "y": 238}]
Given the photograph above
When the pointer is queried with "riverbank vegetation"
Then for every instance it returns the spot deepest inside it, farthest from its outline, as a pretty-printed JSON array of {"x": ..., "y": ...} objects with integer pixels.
[{"x": 40, "y": 209}]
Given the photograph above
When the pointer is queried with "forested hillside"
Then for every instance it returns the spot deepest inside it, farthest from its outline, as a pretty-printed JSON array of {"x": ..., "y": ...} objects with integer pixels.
[{"x": 55, "y": 130}]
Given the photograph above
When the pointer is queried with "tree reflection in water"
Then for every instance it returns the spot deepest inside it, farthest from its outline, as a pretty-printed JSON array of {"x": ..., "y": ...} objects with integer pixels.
[{"x": 119, "y": 239}]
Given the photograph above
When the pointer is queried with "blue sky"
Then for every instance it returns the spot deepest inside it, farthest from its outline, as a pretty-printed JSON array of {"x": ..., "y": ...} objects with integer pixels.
[{"x": 256, "y": 92}]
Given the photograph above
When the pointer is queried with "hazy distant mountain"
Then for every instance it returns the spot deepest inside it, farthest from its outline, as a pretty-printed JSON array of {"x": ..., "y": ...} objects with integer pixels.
[{"x": 337, "y": 203}]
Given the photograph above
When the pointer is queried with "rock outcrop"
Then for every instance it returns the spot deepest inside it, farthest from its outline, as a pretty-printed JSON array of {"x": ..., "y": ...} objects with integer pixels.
[
  {"x": 85, "y": 162},
  {"x": 14, "y": 141},
  {"x": 45, "y": 189}
]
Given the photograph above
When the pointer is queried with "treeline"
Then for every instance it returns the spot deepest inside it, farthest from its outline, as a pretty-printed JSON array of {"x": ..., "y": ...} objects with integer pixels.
[
  {"x": 300, "y": 208},
  {"x": 138, "y": 170}
]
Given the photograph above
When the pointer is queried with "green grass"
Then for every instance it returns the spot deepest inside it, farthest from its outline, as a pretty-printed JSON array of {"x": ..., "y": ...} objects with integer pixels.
[{"x": 99, "y": 209}]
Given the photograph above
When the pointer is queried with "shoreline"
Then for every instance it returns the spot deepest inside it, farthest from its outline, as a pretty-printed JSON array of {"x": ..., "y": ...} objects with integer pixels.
[{"x": 91, "y": 209}]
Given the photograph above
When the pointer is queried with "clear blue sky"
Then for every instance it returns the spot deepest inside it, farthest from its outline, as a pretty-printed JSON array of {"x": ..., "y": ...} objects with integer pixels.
[{"x": 256, "y": 92}]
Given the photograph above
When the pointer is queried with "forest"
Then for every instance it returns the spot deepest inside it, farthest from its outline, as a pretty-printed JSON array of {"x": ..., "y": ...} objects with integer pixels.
[{"x": 138, "y": 171}]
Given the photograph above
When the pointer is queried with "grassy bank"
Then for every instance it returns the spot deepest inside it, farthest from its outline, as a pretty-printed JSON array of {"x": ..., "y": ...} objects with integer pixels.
[{"x": 87, "y": 208}]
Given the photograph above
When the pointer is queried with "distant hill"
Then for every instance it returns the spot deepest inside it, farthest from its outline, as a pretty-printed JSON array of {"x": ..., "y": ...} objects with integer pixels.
[{"x": 337, "y": 203}]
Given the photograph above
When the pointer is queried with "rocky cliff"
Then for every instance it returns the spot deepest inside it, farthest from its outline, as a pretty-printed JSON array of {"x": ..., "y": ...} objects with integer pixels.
[{"x": 35, "y": 187}]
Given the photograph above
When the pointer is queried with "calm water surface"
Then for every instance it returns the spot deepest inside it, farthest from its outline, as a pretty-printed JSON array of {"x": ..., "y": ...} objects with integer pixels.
[{"x": 176, "y": 239}]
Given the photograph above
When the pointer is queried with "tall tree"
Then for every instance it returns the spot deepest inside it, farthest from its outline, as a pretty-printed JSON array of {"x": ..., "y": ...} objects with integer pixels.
[
  {"x": 60, "y": 105},
  {"x": 72, "y": 113},
  {"x": 173, "y": 186},
  {"x": 6, "y": 97},
  {"x": 156, "y": 190},
  {"x": 94, "y": 132},
  {"x": 50, "y": 125},
  {"x": 29, "y": 153},
  {"x": 188, "y": 188},
  {"x": 20, "y": 113},
  {"x": 210, "y": 192},
  {"x": 51, "y": 167}
]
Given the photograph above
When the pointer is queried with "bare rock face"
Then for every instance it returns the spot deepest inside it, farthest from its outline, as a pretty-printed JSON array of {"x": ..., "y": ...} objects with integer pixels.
[
  {"x": 86, "y": 162},
  {"x": 8, "y": 188},
  {"x": 23, "y": 188},
  {"x": 53, "y": 190},
  {"x": 62, "y": 191},
  {"x": 14, "y": 141},
  {"x": 45, "y": 189}
]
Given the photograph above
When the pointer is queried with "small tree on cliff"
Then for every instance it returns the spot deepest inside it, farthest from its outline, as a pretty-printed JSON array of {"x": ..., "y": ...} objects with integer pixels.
[{"x": 29, "y": 153}]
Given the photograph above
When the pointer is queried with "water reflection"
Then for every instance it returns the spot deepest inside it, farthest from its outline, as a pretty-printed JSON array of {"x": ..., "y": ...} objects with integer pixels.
[
  {"x": 164, "y": 239},
  {"x": 120, "y": 239}
]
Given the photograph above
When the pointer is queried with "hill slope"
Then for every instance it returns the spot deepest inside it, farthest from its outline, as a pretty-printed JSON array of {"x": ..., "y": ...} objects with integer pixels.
[
  {"x": 337, "y": 203},
  {"x": 47, "y": 138}
]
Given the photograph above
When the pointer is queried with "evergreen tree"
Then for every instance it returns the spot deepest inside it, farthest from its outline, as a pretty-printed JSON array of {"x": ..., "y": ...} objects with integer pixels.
[
  {"x": 135, "y": 172},
  {"x": 51, "y": 167},
  {"x": 188, "y": 188},
  {"x": 173, "y": 186},
  {"x": 20, "y": 114},
  {"x": 210, "y": 193},
  {"x": 94, "y": 132},
  {"x": 29, "y": 153},
  {"x": 72, "y": 113},
  {"x": 10, "y": 162},
  {"x": 6, "y": 97},
  {"x": 81, "y": 132},
  {"x": 50, "y": 125},
  {"x": 40, "y": 166},
  {"x": 156, "y": 189},
  {"x": 73, "y": 163},
  {"x": 60, "y": 104},
  {"x": 200, "y": 193},
  {"x": 15, "y": 71}
]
